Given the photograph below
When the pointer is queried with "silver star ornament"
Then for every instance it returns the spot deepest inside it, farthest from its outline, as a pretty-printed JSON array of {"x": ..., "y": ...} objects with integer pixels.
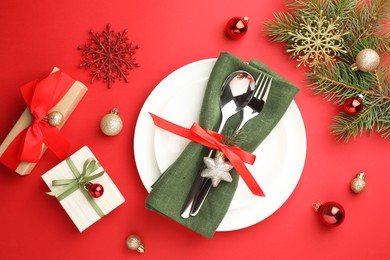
[{"x": 217, "y": 169}]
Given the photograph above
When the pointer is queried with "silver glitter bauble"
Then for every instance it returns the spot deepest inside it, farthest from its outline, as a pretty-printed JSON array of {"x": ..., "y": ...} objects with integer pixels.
[
  {"x": 55, "y": 118},
  {"x": 358, "y": 184},
  {"x": 133, "y": 242},
  {"x": 367, "y": 60},
  {"x": 111, "y": 124}
]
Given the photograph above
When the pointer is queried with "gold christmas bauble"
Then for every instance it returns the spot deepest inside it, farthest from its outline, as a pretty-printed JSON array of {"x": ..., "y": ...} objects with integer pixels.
[
  {"x": 358, "y": 184},
  {"x": 367, "y": 60},
  {"x": 55, "y": 118},
  {"x": 111, "y": 124},
  {"x": 133, "y": 242}
]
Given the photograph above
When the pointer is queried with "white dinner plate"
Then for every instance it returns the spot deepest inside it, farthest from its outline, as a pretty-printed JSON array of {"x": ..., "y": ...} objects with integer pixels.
[{"x": 279, "y": 158}]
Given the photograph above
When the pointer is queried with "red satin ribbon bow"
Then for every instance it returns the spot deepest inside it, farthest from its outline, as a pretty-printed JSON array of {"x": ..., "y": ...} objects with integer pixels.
[
  {"x": 211, "y": 139},
  {"x": 40, "y": 97}
]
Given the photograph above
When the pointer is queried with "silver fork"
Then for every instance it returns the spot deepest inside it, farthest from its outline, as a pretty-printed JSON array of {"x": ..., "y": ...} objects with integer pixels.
[
  {"x": 258, "y": 100},
  {"x": 254, "y": 107}
]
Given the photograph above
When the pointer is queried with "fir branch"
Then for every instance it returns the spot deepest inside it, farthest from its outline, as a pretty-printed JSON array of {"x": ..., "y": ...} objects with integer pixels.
[
  {"x": 336, "y": 85},
  {"x": 384, "y": 127},
  {"x": 370, "y": 17},
  {"x": 362, "y": 24},
  {"x": 339, "y": 82},
  {"x": 232, "y": 137},
  {"x": 307, "y": 8},
  {"x": 383, "y": 78},
  {"x": 342, "y": 9},
  {"x": 381, "y": 43},
  {"x": 279, "y": 29},
  {"x": 380, "y": 87},
  {"x": 345, "y": 126}
]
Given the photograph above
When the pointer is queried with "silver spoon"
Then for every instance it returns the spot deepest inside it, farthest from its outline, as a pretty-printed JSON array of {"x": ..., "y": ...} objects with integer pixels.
[{"x": 236, "y": 92}]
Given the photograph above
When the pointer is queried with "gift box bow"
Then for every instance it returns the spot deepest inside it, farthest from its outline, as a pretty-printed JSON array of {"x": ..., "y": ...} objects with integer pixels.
[
  {"x": 212, "y": 139},
  {"x": 40, "y": 97},
  {"x": 78, "y": 183}
]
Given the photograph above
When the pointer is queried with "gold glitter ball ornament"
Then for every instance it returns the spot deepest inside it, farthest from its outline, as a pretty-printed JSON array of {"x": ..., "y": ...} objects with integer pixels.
[
  {"x": 55, "y": 118},
  {"x": 367, "y": 60},
  {"x": 358, "y": 184},
  {"x": 111, "y": 124},
  {"x": 133, "y": 242}
]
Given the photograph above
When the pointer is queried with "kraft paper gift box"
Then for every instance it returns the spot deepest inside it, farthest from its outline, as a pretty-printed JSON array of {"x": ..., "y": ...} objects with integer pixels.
[
  {"x": 73, "y": 91},
  {"x": 82, "y": 208}
]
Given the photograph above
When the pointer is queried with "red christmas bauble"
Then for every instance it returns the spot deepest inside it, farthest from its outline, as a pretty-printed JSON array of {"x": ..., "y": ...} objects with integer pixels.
[
  {"x": 237, "y": 27},
  {"x": 353, "y": 105},
  {"x": 96, "y": 190},
  {"x": 330, "y": 213}
]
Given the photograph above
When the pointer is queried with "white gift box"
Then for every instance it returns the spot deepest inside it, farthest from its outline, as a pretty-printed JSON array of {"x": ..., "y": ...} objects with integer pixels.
[{"x": 76, "y": 204}]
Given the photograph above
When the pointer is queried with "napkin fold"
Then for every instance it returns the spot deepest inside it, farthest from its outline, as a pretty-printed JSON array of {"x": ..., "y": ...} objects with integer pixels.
[{"x": 171, "y": 189}]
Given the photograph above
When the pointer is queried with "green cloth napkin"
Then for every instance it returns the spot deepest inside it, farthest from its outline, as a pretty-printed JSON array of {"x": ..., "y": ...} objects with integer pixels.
[{"x": 171, "y": 189}]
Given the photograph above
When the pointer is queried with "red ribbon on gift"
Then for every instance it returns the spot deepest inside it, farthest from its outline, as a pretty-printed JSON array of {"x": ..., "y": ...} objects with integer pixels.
[
  {"x": 40, "y": 97},
  {"x": 212, "y": 139}
]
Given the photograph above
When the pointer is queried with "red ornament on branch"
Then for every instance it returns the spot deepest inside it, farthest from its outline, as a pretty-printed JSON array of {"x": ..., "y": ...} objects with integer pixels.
[
  {"x": 353, "y": 105},
  {"x": 109, "y": 56}
]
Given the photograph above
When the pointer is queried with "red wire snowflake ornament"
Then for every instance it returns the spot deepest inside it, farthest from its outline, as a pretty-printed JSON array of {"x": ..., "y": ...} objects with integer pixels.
[{"x": 109, "y": 56}]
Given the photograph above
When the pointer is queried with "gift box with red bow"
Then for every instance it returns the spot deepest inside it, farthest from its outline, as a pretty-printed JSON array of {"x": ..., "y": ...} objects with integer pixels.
[{"x": 50, "y": 102}]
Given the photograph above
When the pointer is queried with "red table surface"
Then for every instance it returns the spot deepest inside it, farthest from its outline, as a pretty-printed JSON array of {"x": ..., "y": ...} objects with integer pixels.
[{"x": 38, "y": 35}]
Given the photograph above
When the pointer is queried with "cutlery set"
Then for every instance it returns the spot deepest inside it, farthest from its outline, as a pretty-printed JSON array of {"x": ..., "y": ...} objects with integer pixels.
[{"x": 239, "y": 94}]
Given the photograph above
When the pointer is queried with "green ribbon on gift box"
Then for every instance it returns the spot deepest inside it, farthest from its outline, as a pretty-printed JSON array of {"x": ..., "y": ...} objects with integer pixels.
[{"x": 71, "y": 185}]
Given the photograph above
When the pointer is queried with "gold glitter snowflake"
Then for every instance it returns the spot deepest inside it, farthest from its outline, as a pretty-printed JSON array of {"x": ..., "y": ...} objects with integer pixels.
[{"x": 318, "y": 41}]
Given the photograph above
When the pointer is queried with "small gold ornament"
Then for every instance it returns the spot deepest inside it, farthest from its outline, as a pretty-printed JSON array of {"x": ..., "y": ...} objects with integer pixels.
[
  {"x": 54, "y": 118},
  {"x": 111, "y": 124},
  {"x": 133, "y": 242},
  {"x": 367, "y": 60},
  {"x": 358, "y": 184}
]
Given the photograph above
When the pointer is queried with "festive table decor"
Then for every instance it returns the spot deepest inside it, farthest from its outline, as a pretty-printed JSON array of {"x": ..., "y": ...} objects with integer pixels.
[
  {"x": 343, "y": 44},
  {"x": 169, "y": 192},
  {"x": 109, "y": 56},
  {"x": 50, "y": 103},
  {"x": 71, "y": 183},
  {"x": 217, "y": 168}
]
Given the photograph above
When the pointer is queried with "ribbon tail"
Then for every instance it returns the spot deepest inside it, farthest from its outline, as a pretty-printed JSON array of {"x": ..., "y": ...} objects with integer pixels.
[
  {"x": 62, "y": 182},
  {"x": 196, "y": 133},
  {"x": 55, "y": 141},
  {"x": 95, "y": 176},
  {"x": 244, "y": 155},
  {"x": 171, "y": 127},
  {"x": 31, "y": 145},
  {"x": 64, "y": 191},
  {"x": 89, "y": 167},
  {"x": 93, "y": 203},
  {"x": 244, "y": 173}
]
